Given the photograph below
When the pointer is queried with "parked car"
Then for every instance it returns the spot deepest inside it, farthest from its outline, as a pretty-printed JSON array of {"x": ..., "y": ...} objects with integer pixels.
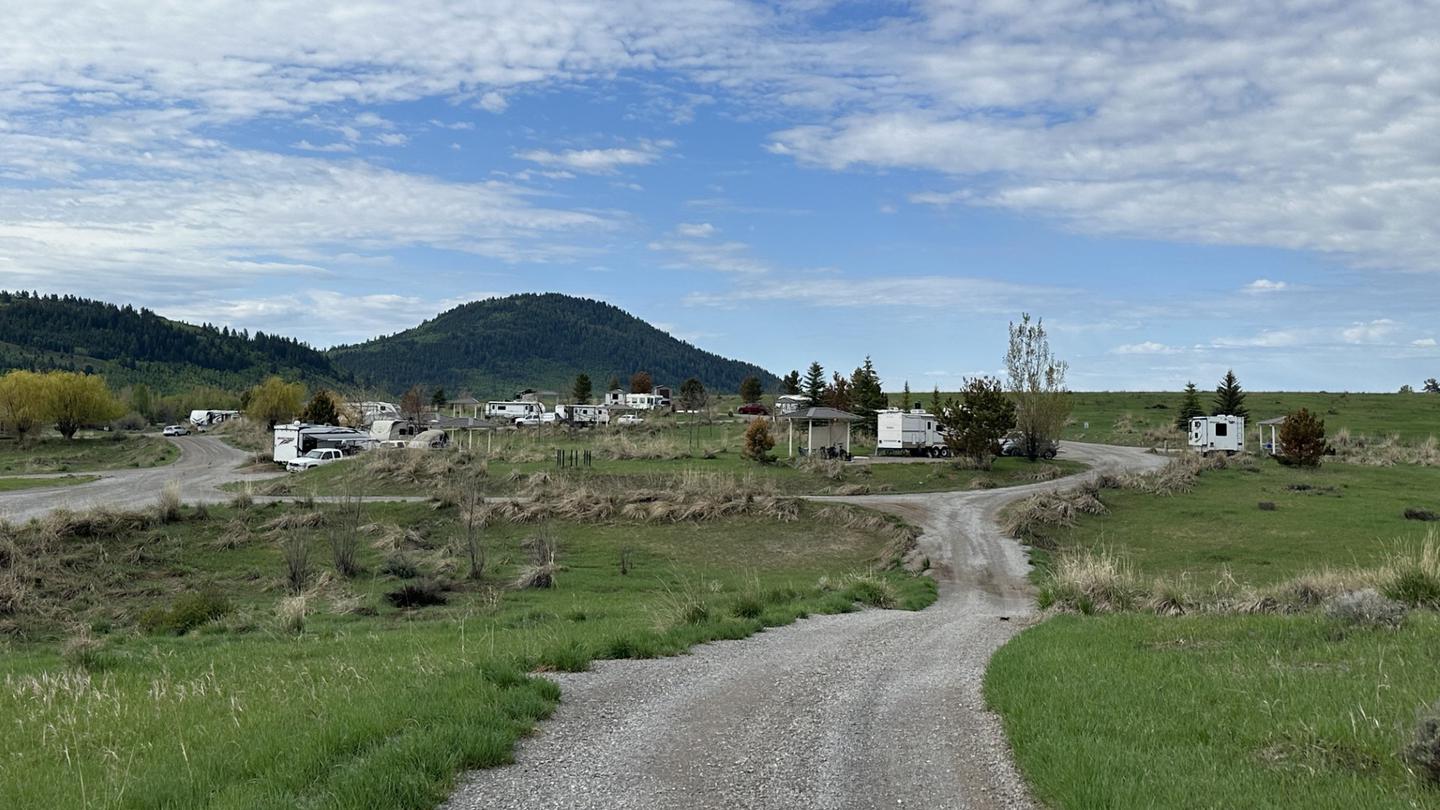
[
  {"x": 1015, "y": 446},
  {"x": 176, "y": 430},
  {"x": 315, "y": 458},
  {"x": 753, "y": 409},
  {"x": 546, "y": 418},
  {"x": 630, "y": 419}
]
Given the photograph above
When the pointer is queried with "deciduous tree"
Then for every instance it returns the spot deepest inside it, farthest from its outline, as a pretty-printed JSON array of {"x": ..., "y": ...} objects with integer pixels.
[
  {"x": 641, "y": 383},
  {"x": 75, "y": 400},
  {"x": 22, "y": 403},
  {"x": 1036, "y": 380},
  {"x": 750, "y": 389},
  {"x": 693, "y": 396},
  {"x": 274, "y": 401},
  {"x": 1432, "y": 386},
  {"x": 1302, "y": 439},
  {"x": 412, "y": 404},
  {"x": 838, "y": 394}
]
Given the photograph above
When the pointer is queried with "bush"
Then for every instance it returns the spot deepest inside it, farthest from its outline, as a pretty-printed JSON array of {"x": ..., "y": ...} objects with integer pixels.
[
  {"x": 295, "y": 552},
  {"x": 1423, "y": 752},
  {"x": 1302, "y": 439},
  {"x": 1414, "y": 586},
  {"x": 188, "y": 612},
  {"x": 291, "y": 614},
  {"x": 85, "y": 652},
  {"x": 420, "y": 593},
  {"x": 758, "y": 442},
  {"x": 1366, "y": 608},
  {"x": 871, "y": 590},
  {"x": 400, "y": 566},
  {"x": 1415, "y": 513}
]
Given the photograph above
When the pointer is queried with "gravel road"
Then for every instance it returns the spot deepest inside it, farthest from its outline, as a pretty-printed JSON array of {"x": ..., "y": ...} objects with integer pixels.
[
  {"x": 204, "y": 464},
  {"x": 878, "y": 708}
]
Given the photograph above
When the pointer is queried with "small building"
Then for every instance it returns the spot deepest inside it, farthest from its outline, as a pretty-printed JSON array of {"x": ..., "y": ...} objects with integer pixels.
[
  {"x": 665, "y": 393},
  {"x": 790, "y": 403},
  {"x": 822, "y": 428},
  {"x": 615, "y": 398},
  {"x": 1272, "y": 446},
  {"x": 1217, "y": 434},
  {"x": 465, "y": 405}
]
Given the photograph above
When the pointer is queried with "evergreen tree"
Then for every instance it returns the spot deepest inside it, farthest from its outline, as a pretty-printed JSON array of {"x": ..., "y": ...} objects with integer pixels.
[
  {"x": 750, "y": 389},
  {"x": 438, "y": 399},
  {"x": 935, "y": 403},
  {"x": 581, "y": 391},
  {"x": 322, "y": 410},
  {"x": 613, "y": 384},
  {"x": 975, "y": 425},
  {"x": 1229, "y": 398},
  {"x": 1302, "y": 439},
  {"x": 839, "y": 394},
  {"x": 907, "y": 399},
  {"x": 867, "y": 395},
  {"x": 1190, "y": 407},
  {"x": 814, "y": 384},
  {"x": 790, "y": 383}
]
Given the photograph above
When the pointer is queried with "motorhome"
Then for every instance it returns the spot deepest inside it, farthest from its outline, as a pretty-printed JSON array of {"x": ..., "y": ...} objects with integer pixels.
[
  {"x": 297, "y": 439},
  {"x": 208, "y": 418},
  {"x": 583, "y": 414},
  {"x": 1218, "y": 434},
  {"x": 513, "y": 410},
  {"x": 914, "y": 432}
]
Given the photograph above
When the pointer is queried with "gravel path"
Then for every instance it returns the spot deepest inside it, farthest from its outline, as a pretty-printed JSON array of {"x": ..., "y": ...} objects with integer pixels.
[
  {"x": 204, "y": 464},
  {"x": 878, "y": 708}
]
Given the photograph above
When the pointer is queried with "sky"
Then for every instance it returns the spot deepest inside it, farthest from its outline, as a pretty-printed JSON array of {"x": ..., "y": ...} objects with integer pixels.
[{"x": 1176, "y": 187}]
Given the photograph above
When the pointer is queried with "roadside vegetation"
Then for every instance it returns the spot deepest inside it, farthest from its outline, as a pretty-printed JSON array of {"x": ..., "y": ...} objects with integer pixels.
[
  {"x": 1230, "y": 632},
  {"x": 87, "y": 452},
  {"x": 8, "y": 484},
  {"x": 361, "y": 655}
]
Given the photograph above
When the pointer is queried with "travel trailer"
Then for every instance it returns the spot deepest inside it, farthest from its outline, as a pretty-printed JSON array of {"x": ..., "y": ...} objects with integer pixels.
[
  {"x": 297, "y": 439},
  {"x": 513, "y": 410},
  {"x": 915, "y": 432},
  {"x": 208, "y": 418},
  {"x": 583, "y": 414},
  {"x": 1218, "y": 434}
]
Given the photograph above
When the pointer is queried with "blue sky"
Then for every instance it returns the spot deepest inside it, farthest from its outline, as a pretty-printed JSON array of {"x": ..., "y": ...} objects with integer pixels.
[{"x": 1176, "y": 187}]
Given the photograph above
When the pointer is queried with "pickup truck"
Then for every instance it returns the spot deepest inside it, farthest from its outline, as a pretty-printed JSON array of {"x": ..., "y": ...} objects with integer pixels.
[
  {"x": 1015, "y": 446},
  {"x": 630, "y": 419},
  {"x": 313, "y": 459}
]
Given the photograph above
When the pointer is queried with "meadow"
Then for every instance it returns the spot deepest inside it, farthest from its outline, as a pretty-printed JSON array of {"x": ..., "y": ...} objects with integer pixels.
[
  {"x": 361, "y": 655},
  {"x": 87, "y": 452}
]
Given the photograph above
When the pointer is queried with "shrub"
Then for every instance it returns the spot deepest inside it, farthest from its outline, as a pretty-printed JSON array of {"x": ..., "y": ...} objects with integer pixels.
[
  {"x": 85, "y": 652},
  {"x": 1302, "y": 439},
  {"x": 1267, "y": 506},
  {"x": 747, "y": 606},
  {"x": 290, "y": 614},
  {"x": 400, "y": 566},
  {"x": 758, "y": 441},
  {"x": 419, "y": 593},
  {"x": 541, "y": 549},
  {"x": 1415, "y": 587},
  {"x": 868, "y": 589},
  {"x": 186, "y": 613},
  {"x": 1090, "y": 582},
  {"x": 1423, "y": 752},
  {"x": 1415, "y": 513},
  {"x": 295, "y": 552},
  {"x": 1366, "y": 608},
  {"x": 243, "y": 499},
  {"x": 344, "y": 550},
  {"x": 167, "y": 505}
]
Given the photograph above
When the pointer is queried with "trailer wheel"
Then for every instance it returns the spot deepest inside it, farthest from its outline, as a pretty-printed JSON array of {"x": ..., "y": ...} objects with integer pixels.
[{"x": 945, "y": 452}]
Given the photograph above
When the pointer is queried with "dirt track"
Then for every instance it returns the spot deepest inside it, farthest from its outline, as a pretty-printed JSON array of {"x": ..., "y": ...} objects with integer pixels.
[
  {"x": 204, "y": 464},
  {"x": 879, "y": 708}
]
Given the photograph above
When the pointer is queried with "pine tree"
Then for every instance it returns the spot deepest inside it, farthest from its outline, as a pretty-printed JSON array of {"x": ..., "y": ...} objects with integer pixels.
[
  {"x": 867, "y": 394},
  {"x": 791, "y": 382},
  {"x": 906, "y": 398},
  {"x": 438, "y": 399},
  {"x": 1190, "y": 407},
  {"x": 814, "y": 384},
  {"x": 935, "y": 403},
  {"x": 581, "y": 390},
  {"x": 321, "y": 410},
  {"x": 1229, "y": 398},
  {"x": 613, "y": 384},
  {"x": 750, "y": 389}
]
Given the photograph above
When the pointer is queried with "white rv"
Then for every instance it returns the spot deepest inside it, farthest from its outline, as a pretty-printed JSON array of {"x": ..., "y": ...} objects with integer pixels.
[
  {"x": 513, "y": 410},
  {"x": 644, "y": 402},
  {"x": 392, "y": 430},
  {"x": 371, "y": 410},
  {"x": 915, "y": 432},
  {"x": 207, "y": 418},
  {"x": 583, "y": 414},
  {"x": 790, "y": 403},
  {"x": 1218, "y": 434},
  {"x": 297, "y": 439}
]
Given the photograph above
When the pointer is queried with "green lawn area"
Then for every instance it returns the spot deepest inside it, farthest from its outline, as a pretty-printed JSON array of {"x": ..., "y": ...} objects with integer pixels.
[
  {"x": 86, "y": 453},
  {"x": 1134, "y": 709},
  {"x": 13, "y": 484},
  {"x": 1217, "y": 711},
  {"x": 371, "y": 705},
  {"x": 1338, "y": 516}
]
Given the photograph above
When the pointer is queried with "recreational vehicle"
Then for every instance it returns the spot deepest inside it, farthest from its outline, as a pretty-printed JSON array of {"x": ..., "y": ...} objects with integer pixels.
[
  {"x": 392, "y": 430},
  {"x": 790, "y": 403},
  {"x": 645, "y": 402},
  {"x": 208, "y": 418},
  {"x": 513, "y": 410},
  {"x": 297, "y": 439},
  {"x": 583, "y": 414},
  {"x": 371, "y": 410},
  {"x": 1218, "y": 434},
  {"x": 915, "y": 432}
]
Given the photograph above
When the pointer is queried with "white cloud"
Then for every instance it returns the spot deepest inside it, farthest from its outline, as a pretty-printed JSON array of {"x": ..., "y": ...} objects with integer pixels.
[
  {"x": 598, "y": 161},
  {"x": 707, "y": 254},
  {"x": 493, "y": 102},
  {"x": 1265, "y": 285},
  {"x": 1266, "y": 339},
  {"x": 1423, "y": 343},
  {"x": 338, "y": 146},
  {"x": 1375, "y": 331},
  {"x": 696, "y": 230},
  {"x": 919, "y": 292},
  {"x": 1147, "y": 347},
  {"x": 392, "y": 139}
]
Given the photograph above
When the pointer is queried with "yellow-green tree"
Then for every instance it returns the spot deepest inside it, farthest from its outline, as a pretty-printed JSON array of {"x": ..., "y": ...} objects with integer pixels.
[
  {"x": 22, "y": 403},
  {"x": 275, "y": 401},
  {"x": 73, "y": 400}
]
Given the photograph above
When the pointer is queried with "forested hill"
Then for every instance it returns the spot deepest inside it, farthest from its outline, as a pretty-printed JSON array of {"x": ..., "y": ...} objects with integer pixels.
[
  {"x": 497, "y": 346},
  {"x": 130, "y": 345}
]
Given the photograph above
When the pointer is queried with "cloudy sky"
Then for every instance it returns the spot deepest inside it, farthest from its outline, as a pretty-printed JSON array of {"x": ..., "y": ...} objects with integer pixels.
[{"x": 1175, "y": 186}]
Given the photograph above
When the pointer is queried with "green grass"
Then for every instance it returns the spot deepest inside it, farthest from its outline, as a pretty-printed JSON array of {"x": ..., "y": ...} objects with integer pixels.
[
  {"x": 86, "y": 453},
  {"x": 370, "y": 706},
  {"x": 14, "y": 484},
  {"x": 1338, "y": 516},
  {"x": 1209, "y": 712},
  {"x": 1122, "y": 417}
]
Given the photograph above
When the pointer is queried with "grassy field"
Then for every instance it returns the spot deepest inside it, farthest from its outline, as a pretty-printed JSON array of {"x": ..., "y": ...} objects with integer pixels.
[
  {"x": 86, "y": 453},
  {"x": 14, "y": 484},
  {"x": 1338, "y": 516},
  {"x": 339, "y": 698},
  {"x": 1255, "y": 696}
]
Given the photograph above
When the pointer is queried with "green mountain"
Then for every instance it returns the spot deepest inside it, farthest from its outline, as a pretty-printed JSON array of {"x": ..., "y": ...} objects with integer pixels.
[
  {"x": 497, "y": 346},
  {"x": 129, "y": 345}
]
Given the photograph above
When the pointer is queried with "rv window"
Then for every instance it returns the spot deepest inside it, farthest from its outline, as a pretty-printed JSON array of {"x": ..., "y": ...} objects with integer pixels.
[{"x": 1221, "y": 428}]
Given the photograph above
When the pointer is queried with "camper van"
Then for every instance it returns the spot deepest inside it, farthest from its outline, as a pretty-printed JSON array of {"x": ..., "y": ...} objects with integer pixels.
[
  {"x": 914, "y": 432},
  {"x": 1218, "y": 434},
  {"x": 513, "y": 410},
  {"x": 295, "y": 440},
  {"x": 582, "y": 415}
]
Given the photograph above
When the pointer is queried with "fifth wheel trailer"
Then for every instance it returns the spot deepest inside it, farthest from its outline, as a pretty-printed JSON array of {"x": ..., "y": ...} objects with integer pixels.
[
  {"x": 915, "y": 432},
  {"x": 295, "y": 440}
]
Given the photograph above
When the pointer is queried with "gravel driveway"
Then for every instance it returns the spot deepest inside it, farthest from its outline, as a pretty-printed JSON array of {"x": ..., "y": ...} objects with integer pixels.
[
  {"x": 880, "y": 708},
  {"x": 204, "y": 464}
]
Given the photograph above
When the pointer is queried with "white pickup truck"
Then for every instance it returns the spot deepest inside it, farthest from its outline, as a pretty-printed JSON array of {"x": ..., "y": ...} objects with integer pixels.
[{"x": 313, "y": 459}]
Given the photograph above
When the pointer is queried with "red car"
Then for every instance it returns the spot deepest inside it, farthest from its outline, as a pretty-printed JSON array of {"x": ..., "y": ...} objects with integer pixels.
[{"x": 753, "y": 409}]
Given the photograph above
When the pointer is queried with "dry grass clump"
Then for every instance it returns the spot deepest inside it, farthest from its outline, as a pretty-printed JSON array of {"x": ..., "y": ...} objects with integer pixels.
[
  {"x": 290, "y": 614},
  {"x": 831, "y": 468},
  {"x": 638, "y": 445},
  {"x": 1384, "y": 452},
  {"x": 1423, "y": 752},
  {"x": 101, "y": 522},
  {"x": 407, "y": 466},
  {"x": 1026, "y": 520},
  {"x": 1043, "y": 472},
  {"x": 167, "y": 505},
  {"x": 1093, "y": 582},
  {"x": 290, "y": 521},
  {"x": 1366, "y": 608},
  {"x": 678, "y": 499}
]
